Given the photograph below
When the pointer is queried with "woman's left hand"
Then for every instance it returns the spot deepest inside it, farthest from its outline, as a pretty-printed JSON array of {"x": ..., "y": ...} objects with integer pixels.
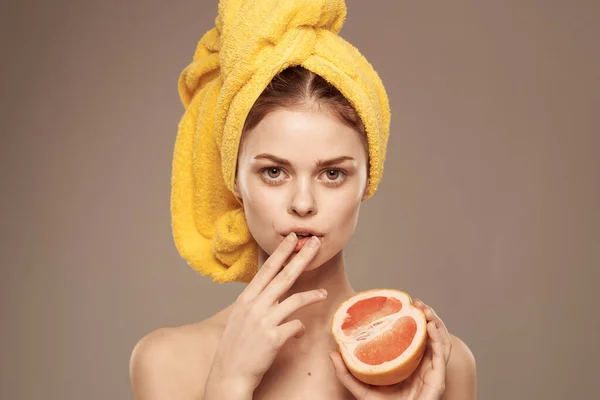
[{"x": 428, "y": 380}]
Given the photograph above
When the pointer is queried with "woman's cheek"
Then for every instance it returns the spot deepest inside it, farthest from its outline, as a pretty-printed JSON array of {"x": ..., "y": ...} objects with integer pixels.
[
  {"x": 259, "y": 217},
  {"x": 348, "y": 220}
]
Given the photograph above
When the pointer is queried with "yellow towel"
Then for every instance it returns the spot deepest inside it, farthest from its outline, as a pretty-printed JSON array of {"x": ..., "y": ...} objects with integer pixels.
[{"x": 253, "y": 41}]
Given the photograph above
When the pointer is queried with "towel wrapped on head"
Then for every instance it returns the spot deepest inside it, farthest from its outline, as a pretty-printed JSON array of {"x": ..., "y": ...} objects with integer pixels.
[{"x": 252, "y": 42}]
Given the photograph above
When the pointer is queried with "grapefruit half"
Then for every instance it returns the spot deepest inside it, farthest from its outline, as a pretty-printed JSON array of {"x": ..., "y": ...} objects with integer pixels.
[{"x": 381, "y": 335}]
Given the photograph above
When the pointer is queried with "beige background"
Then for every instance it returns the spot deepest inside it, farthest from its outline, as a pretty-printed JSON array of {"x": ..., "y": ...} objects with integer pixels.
[{"x": 489, "y": 207}]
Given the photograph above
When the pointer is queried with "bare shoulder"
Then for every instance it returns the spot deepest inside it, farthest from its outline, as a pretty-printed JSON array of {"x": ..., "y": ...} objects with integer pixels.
[
  {"x": 174, "y": 362},
  {"x": 461, "y": 372}
]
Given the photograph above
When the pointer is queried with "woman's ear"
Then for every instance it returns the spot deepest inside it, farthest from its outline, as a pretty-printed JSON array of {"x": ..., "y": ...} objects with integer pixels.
[
  {"x": 236, "y": 191},
  {"x": 364, "y": 196}
]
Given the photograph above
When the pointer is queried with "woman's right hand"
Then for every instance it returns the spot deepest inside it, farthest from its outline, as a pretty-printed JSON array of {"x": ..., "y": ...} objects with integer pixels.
[{"x": 256, "y": 330}]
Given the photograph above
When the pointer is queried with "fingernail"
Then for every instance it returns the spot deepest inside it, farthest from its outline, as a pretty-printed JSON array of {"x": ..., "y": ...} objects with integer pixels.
[
  {"x": 324, "y": 292},
  {"x": 292, "y": 235},
  {"x": 313, "y": 242}
]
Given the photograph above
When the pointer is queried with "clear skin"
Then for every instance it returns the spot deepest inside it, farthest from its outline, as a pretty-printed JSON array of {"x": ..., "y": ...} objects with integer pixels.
[{"x": 269, "y": 341}]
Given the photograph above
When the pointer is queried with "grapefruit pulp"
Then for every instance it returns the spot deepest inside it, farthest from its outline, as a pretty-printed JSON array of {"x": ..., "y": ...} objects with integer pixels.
[{"x": 381, "y": 335}]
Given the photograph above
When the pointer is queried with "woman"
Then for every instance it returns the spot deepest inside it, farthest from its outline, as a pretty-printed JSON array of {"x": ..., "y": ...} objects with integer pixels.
[{"x": 306, "y": 156}]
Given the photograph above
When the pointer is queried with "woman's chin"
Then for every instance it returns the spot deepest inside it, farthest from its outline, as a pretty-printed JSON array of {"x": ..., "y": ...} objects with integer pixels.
[
  {"x": 312, "y": 266},
  {"x": 320, "y": 260}
]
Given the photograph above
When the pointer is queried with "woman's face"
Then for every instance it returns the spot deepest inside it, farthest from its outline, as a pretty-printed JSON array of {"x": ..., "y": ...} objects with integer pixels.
[{"x": 302, "y": 171}]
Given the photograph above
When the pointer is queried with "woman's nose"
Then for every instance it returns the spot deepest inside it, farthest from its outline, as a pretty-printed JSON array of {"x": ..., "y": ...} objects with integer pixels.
[{"x": 303, "y": 201}]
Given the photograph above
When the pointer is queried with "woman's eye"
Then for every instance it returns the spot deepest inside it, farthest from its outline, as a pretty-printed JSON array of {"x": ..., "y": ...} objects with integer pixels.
[
  {"x": 333, "y": 174},
  {"x": 272, "y": 175},
  {"x": 334, "y": 177},
  {"x": 273, "y": 172}
]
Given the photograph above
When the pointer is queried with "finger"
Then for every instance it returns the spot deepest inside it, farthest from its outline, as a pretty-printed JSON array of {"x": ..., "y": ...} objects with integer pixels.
[
  {"x": 445, "y": 335},
  {"x": 288, "y": 275},
  {"x": 288, "y": 330},
  {"x": 356, "y": 387},
  {"x": 425, "y": 362},
  {"x": 295, "y": 302},
  {"x": 433, "y": 376},
  {"x": 443, "y": 331},
  {"x": 438, "y": 361},
  {"x": 270, "y": 268},
  {"x": 446, "y": 339},
  {"x": 431, "y": 315}
]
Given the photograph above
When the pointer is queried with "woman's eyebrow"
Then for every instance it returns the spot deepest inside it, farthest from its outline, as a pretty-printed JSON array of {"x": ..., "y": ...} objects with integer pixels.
[
  {"x": 333, "y": 161},
  {"x": 273, "y": 158},
  {"x": 318, "y": 163}
]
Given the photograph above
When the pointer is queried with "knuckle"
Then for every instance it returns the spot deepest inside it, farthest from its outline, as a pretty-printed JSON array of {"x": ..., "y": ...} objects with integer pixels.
[
  {"x": 302, "y": 299},
  {"x": 297, "y": 300},
  {"x": 273, "y": 337},
  {"x": 310, "y": 297},
  {"x": 286, "y": 274},
  {"x": 269, "y": 265},
  {"x": 264, "y": 326},
  {"x": 239, "y": 309},
  {"x": 254, "y": 313},
  {"x": 243, "y": 298},
  {"x": 271, "y": 293}
]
